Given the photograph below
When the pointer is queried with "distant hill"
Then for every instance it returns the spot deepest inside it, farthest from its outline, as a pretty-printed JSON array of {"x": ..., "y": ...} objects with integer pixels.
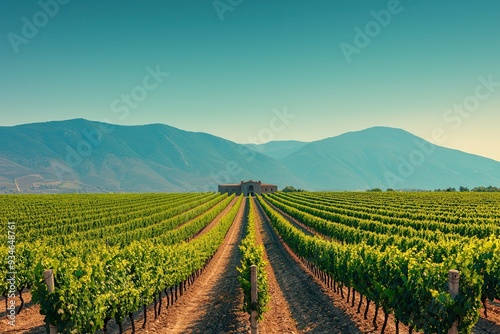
[
  {"x": 84, "y": 156},
  {"x": 81, "y": 155},
  {"x": 387, "y": 158},
  {"x": 277, "y": 149}
]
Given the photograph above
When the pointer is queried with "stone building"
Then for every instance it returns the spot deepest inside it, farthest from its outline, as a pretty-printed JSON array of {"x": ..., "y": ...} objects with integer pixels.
[{"x": 248, "y": 188}]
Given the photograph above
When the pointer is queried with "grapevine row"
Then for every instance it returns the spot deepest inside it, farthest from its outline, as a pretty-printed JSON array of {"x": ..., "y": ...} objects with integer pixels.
[
  {"x": 27, "y": 255},
  {"x": 447, "y": 208},
  {"x": 389, "y": 225},
  {"x": 386, "y": 278},
  {"x": 112, "y": 282},
  {"x": 487, "y": 259},
  {"x": 253, "y": 254}
]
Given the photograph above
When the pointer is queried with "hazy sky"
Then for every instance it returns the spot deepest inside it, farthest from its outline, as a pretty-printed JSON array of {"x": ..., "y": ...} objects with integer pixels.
[{"x": 251, "y": 71}]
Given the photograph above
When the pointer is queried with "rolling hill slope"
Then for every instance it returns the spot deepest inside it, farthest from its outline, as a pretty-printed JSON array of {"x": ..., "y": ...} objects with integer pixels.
[
  {"x": 277, "y": 149},
  {"x": 85, "y": 156},
  {"x": 80, "y": 155},
  {"x": 387, "y": 158}
]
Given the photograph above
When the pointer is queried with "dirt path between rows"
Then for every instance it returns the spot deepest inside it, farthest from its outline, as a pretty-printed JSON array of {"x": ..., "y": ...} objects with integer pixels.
[
  {"x": 214, "y": 221},
  {"x": 213, "y": 303},
  {"x": 278, "y": 319},
  {"x": 312, "y": 309},
  {"x": 300, "y": 302},
  {"x": 490, "y": 325}
]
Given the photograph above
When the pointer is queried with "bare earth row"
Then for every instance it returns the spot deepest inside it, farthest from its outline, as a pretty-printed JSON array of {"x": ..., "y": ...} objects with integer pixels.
[{"x": 300, "y": 302}]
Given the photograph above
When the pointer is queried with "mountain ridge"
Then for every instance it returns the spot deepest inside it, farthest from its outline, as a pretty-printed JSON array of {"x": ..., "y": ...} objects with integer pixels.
[
  {"x": 128, "y": 158},
  {"x": 387, "y": 158},
  {"x": 79, "y": 155}
]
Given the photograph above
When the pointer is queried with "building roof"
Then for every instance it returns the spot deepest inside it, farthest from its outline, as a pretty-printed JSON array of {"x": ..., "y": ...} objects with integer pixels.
[{"x": 249, "y": 181}]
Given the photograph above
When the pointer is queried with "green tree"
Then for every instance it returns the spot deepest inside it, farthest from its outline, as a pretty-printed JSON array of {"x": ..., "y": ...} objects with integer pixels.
[{"x": 291, "y": 189}]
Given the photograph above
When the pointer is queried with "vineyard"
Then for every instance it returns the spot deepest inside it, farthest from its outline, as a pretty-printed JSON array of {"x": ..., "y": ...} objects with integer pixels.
[{"x": 329, "y": 262}]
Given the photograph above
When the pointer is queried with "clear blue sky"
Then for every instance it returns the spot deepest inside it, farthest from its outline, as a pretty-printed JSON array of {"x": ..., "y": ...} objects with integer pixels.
[{"x": 231, "y": 68}]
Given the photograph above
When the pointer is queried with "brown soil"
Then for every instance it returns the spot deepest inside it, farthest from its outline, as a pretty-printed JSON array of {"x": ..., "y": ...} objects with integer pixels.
[
  {"x": 312, "y": 309},
  {"x": 489, "y": 325},
  {"x": 300, "y": 302},
  {"x": 216, "y": 220},
  {"x": 28, "y": 321},
  {"x": 213, "y": 304},
  {"x": 296, "y": 223},
  {"x": 278, "y": 319}
]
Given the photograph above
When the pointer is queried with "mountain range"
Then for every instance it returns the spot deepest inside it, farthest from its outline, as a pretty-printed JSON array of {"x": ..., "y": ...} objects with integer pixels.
[{"x": 86, "y": 156}]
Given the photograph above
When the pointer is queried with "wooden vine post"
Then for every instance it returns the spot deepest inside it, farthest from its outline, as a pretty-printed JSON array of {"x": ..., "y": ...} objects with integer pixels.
[
  {"x": 48, "y": 277},
  {"x": 453, "y": 285},
  {"x": 253, "y": 299}
]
